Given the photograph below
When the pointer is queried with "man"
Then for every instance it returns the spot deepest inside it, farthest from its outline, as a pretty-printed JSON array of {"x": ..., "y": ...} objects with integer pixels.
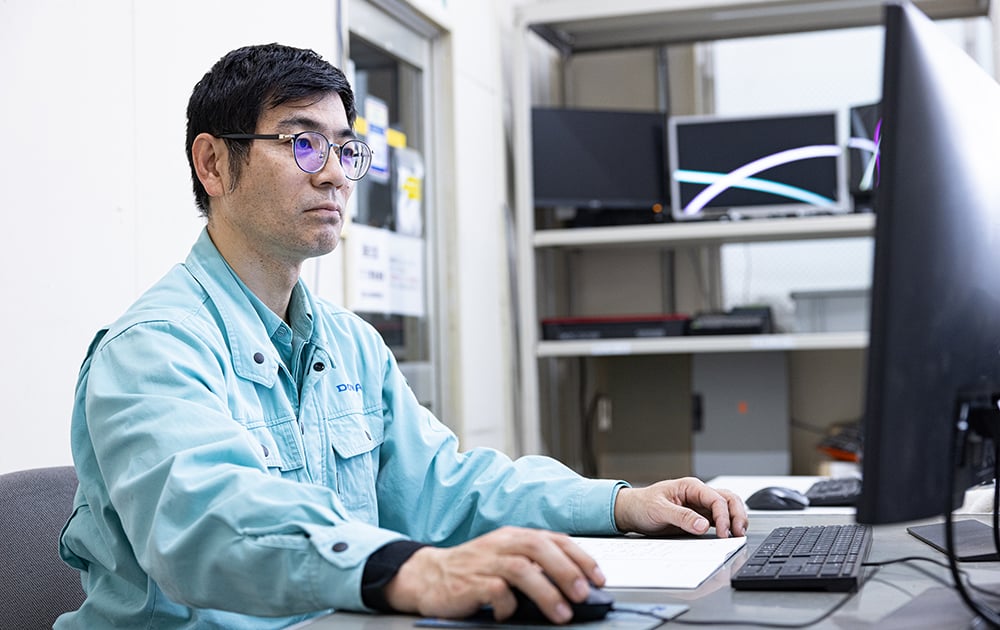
[{"x": 230, "y": 477}]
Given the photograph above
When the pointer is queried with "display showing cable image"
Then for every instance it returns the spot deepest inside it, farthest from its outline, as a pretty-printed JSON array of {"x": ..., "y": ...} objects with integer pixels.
[
  {"x": 865, "y": 131},
  {"x": 761, "y": 166}
]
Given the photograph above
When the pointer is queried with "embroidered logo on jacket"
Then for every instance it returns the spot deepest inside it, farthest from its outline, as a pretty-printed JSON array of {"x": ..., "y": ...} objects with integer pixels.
[{"x": 347, "y": 387}]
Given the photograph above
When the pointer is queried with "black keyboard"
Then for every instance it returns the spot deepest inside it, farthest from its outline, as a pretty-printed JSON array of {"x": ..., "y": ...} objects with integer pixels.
[
  {"x": 817, "y": 558},
  {"x": 838, "y": 491}
]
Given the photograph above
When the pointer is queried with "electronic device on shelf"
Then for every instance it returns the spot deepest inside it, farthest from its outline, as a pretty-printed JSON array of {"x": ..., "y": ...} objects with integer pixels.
[
  {"x": 819, "y": 557},
  {"x": 623, "y": 326},
  {"x": 602, "y": 160},
  {"x": 756, "y": 166},
  {"x": 864, "y": 123},
  {"x": 741, "y": 320},
  {"x": 835, "y": 491}
]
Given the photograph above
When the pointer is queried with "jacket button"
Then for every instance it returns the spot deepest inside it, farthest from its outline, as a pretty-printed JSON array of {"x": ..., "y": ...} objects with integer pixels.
[
  {"x": 258, "y": 357},
  {"x": 318, "y": 366},
  {"x": 266, "y": 452},
  {"x": 341, "y": 546}
]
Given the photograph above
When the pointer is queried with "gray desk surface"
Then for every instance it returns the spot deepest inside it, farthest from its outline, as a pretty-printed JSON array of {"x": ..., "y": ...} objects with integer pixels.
[{"x": 902, "y": 596}]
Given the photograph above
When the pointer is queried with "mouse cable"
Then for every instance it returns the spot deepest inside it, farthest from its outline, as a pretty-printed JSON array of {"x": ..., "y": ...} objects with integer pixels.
[{"x": 776, "y": 624}]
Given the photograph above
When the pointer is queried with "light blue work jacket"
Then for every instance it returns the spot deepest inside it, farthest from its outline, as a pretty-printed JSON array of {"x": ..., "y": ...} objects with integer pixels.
[{"x": 213, "y": 494}]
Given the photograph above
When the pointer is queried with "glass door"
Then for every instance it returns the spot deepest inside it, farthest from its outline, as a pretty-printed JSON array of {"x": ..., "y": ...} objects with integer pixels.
[{"x": 388, "y": 261}]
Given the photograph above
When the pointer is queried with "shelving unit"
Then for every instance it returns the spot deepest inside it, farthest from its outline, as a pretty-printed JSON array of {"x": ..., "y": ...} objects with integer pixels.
[{"x": 587, "y": 25}]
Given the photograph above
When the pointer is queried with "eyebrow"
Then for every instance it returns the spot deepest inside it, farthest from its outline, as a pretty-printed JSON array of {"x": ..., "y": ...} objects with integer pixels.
[{"x": 311, "y": 124}]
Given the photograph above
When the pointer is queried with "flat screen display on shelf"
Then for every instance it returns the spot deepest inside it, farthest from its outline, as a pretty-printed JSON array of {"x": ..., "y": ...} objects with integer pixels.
[
  {"x": 599, "y": 159},
  {"x": 756, "y": 166},
  {"x": 864, "y": 124}
]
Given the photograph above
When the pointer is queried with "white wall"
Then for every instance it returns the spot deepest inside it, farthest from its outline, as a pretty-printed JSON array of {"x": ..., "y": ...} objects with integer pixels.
[
  {"x": 94, "y": 186},
  {"x": 480, "y": 366}
]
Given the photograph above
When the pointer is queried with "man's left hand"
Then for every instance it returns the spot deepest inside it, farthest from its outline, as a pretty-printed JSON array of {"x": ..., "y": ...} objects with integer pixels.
[{"x": 685, "y": 504}]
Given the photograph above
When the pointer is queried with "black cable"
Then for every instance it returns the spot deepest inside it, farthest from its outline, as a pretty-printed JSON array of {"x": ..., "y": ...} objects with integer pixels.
[
  {"x": 589, "y": 412},
  {"x": 962, "y": 427},
  {"x": 996, "y": 494}
]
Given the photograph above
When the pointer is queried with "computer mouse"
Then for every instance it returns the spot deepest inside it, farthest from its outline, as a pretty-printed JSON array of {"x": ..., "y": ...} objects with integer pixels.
[
  {"x": 596, "y": 607},
  {"x": 777, "y": 498}
]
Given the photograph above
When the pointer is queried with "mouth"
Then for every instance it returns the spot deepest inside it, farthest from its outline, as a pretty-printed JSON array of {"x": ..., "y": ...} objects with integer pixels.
[{"x": 327, "y": 208}]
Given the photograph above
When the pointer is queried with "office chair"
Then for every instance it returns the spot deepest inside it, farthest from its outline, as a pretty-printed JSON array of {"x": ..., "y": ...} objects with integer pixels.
[{"x": 36, "y": 586}]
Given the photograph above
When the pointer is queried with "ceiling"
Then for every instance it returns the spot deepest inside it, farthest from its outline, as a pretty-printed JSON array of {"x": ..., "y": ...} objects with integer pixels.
[{"x": 585, "y": 25}]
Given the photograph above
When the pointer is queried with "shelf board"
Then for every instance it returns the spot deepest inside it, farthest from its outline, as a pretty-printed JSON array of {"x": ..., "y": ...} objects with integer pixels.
[
  {"x": 588, "y": 25},
  {"x": 702, "y": 232},
  {"x": 704, "y": 343}
]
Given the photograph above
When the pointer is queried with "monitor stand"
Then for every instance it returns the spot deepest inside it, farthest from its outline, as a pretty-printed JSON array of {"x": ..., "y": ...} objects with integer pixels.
[{"x": 973, "y": 539}]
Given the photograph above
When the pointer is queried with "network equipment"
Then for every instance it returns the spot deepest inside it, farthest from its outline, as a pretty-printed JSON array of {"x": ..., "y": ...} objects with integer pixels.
[{"x": 760, "y": 166}]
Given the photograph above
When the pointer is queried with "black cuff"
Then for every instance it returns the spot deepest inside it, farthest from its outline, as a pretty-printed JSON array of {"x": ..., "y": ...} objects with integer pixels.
[{"x": 380, "y": 568}]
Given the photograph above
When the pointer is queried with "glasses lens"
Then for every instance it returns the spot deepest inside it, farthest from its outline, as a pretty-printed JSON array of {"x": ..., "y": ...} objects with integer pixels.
[
  {"x": 355, "y": 157},
  {"x": 310, "y": 151}
]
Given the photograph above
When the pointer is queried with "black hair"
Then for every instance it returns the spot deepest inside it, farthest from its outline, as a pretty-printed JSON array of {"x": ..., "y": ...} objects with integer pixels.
[{"x": 231, "y": 97}]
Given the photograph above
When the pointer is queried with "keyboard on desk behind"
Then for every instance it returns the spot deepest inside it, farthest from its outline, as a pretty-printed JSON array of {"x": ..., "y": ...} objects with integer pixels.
[
  {"x": 822, "y": 558},
  {"x": 837, "y": 491}
]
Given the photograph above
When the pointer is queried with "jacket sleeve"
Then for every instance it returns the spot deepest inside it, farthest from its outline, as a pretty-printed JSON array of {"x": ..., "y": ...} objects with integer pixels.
[{"x": 437, "y": 494}]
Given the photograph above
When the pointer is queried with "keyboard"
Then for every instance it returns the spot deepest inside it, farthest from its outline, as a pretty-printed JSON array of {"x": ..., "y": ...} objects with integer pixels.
[
  {"x": 816, "y": 558},
  {"x": 838, "y": 491}
]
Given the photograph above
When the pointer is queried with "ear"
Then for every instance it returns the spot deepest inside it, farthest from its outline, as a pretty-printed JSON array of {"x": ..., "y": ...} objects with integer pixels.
[{"x": 209, "y": 155}]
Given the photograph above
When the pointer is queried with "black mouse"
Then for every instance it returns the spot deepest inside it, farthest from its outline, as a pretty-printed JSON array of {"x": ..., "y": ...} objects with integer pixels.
[
  {"x": 596, "y": 607},
  {"x": 777, "y": 498}
]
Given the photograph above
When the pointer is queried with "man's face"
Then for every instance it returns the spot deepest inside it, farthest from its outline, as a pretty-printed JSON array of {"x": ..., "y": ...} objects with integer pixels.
[{"x": 278, "y": 212}]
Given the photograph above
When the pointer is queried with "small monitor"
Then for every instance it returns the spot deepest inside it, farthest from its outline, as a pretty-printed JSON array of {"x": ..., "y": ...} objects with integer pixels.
[
  {"x": 933, "y": 376},
  {"x": 864, "y": 130},
  {"x": 599, "y": 159},
  {"x": 757, "y": 166}
]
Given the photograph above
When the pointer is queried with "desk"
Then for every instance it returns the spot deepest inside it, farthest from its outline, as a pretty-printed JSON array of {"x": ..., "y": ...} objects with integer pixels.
[{"x": 896, "y": 597}]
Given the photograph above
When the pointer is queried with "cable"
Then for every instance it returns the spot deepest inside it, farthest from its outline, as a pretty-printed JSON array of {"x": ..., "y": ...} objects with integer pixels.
[{"x": 962, "y": 428}]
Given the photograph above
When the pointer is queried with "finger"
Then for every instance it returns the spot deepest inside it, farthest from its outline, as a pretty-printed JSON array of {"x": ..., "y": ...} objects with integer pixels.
[
  {"x": 577, "y": 586},
  {"x": 500, "y": 598},
  {"x": 738, "y": 513},
  {"x": 539, "y": 588},
  {"x": 564, "y": 562}
]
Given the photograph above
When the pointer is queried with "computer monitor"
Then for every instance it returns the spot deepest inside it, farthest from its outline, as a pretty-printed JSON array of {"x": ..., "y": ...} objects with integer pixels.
[
  {"x": 756, "y": 166},
  {"x": 864, "y": 124},
  {"x": 933, "y": 375},
  {"x": 598, "y": 159}
]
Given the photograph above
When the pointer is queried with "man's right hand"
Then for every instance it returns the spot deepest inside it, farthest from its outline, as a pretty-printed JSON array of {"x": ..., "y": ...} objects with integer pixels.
[{"x": 456, "y": 582}]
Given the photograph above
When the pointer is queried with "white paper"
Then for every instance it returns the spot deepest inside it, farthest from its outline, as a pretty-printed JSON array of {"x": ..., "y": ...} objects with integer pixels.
[
  {"x": 659, "y": 562},
  {"x": 385, "y": 272}
]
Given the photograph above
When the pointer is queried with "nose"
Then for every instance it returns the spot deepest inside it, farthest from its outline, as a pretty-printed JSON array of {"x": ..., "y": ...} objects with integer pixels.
[{"x": 332, "y": 172}]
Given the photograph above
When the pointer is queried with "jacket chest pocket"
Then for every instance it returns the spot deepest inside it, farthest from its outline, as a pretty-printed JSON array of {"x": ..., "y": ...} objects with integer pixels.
[
  {"x": 280, "y": 447},
  {"x": 355, "y": 441}
]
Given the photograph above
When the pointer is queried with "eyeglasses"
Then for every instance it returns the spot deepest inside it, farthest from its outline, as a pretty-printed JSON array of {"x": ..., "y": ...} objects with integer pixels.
[{"x": 312, "y": 149}]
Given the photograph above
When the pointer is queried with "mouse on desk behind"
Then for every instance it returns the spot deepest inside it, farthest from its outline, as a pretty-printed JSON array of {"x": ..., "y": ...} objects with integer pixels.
[
  {"x": 596, "y": 607},
  {"x": 777, "y": 498}
]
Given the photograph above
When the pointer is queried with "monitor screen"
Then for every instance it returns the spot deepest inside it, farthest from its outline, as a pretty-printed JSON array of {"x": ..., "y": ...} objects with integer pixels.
[
  {"x": 598, "y": 159},
  {"x": 744, "y": 167},
  {"x": 864, "y": 128},
  {"x": 934, "y": 347}
]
